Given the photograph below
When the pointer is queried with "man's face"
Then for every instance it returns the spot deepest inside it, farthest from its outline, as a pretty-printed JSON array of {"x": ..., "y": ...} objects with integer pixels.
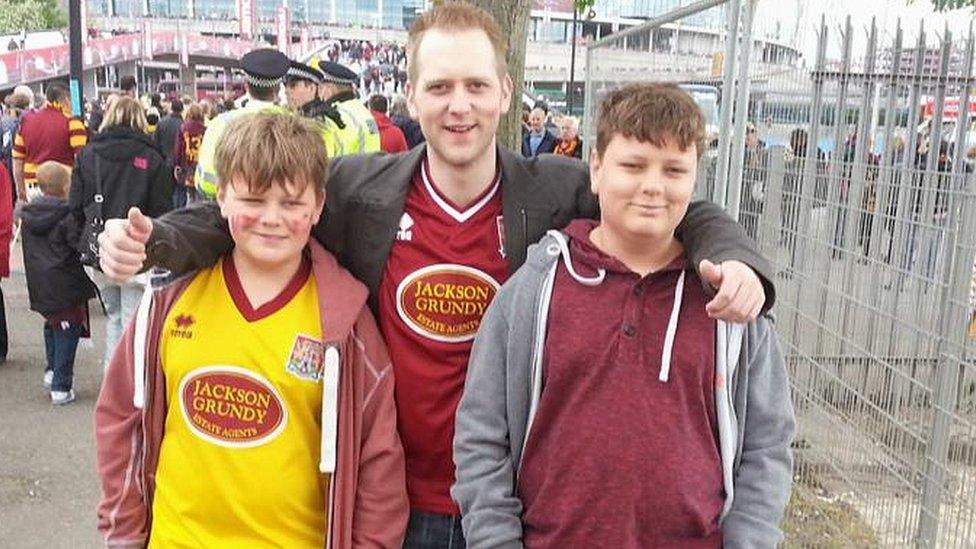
[
  {"x": 537, "y": 120},
  {"x": 271, "y": 227},
  {"x": 643, "y": 190},
  {"x": 458, "y": 99},
  {"x": 299, "y": 92}
]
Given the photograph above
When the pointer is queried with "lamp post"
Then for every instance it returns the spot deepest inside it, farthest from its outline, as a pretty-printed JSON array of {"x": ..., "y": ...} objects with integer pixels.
[{"x": 572, "y": 63}]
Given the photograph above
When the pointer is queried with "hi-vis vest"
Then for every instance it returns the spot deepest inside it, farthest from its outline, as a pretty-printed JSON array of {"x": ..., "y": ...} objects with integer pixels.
[
  {"x": 206, "y": 174},
  {"x": 361, "y": 134}
]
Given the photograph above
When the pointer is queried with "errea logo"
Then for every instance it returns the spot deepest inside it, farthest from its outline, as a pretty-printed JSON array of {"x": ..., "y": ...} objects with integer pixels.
[
  {"x": 405, "y": 232},
  {"x": 182, "y": 326}
]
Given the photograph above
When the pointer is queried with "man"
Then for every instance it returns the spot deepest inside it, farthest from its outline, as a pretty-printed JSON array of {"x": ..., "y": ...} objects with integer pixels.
[
  {"x": 168, "y": 129},
  {"x": 15, "y": 105},
  {"x": 400, "y": 115},
  {"x": 264, "y": 70},
  {"x": 301, "y": 90},
  {"x": 538, "y": 140},
  {"x": 433, "y": 232},
  {"x": 392, "y": 139},
  {"x": 360, "y": 134},
  {"x": 49, "y": 133}
]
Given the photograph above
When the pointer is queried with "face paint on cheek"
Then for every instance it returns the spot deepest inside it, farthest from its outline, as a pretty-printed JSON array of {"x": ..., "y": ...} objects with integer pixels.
[
  {"x": 240, "y": 222},
  {"x": 300, "y": 225}
]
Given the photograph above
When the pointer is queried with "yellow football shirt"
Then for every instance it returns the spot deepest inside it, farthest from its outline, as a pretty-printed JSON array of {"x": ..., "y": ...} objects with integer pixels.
[{"x": 238, "y": 463}]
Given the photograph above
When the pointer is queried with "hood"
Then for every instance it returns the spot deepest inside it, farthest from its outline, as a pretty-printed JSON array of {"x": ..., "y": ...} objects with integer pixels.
[
  {"x": 121, "y": 143},
  {"x": 595, "y": 266},
  {"x": 43, "y": 213}
]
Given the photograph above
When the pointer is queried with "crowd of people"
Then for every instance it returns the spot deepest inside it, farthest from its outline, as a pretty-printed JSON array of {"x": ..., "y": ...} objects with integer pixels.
[{"x": 315, "y": 341}]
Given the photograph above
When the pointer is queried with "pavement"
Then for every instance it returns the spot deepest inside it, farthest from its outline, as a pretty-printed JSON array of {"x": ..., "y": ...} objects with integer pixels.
[{"x": 48, "y": 485}]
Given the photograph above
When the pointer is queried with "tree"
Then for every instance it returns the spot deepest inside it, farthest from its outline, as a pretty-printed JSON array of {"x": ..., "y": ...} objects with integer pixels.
[
  {"x": 18, "y": 15},
  {"x": 949, "y": 5},
  {"x": 513, "y": 17}
]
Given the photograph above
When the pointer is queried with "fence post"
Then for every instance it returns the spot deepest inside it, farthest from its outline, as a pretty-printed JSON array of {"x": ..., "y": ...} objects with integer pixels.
[
  {"x": 738, "y": 145},
  {"x": 720, "y": 191},
  {"x": 951, "y": 326}
]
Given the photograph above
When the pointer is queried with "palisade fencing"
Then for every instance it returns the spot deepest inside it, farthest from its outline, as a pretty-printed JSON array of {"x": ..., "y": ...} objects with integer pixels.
[{"x": 858, "y": 183}]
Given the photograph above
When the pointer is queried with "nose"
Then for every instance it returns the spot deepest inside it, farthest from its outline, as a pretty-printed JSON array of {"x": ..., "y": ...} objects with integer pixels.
[{"x": 459, "y": 102}]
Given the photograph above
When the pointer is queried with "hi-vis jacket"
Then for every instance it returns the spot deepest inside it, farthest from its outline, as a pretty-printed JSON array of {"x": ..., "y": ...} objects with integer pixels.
[{"x": 367, "y": 495}]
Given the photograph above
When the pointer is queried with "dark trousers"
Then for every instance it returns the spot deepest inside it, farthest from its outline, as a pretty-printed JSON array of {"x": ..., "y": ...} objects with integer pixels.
[
  {"x": 433, "y": 531},
  {"x": 60, "y": 343}
]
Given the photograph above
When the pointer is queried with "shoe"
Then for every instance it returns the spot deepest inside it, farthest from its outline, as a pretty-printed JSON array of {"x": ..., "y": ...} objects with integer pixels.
[
  {"x": 48, "y": 378},
  {"x": 60, "y": 398}
]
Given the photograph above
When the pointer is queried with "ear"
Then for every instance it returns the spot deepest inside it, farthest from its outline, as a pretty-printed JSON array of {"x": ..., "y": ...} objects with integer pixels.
[
  {"x": 595, "y": 165},
  {"x": 411, "y": 100},
  {"x": 319, "y": 209},
  {"x": 222, "y": 200},
  {"x": 507, "y": 89}
]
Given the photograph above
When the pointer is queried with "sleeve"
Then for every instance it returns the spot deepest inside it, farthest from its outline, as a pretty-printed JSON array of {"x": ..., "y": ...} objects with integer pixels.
[
  {"x": 179, "y": 145},
  {"x": 76, "y": 192},
  {"x": 485, "y": 474},
  {"x": 123, "y": 517},
  {"x": 160, "y": 190},
  {"x": 764, "y": 477},
  {"x": 382, "y": 508},
  {"x": 188, "y": 239},
  {"x": 707, "y": 232},
  {"x": 19, "y": 151}
]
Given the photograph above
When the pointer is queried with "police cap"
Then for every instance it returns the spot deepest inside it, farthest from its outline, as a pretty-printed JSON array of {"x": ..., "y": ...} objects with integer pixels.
[
  {"x": 301, "y": 71},
  {"x": 265, "y": 67},
  {"x": 337, "y": 74}
]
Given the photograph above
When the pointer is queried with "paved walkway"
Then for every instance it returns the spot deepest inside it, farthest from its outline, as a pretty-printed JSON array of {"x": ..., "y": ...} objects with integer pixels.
[{"x": 48, "y": 486}]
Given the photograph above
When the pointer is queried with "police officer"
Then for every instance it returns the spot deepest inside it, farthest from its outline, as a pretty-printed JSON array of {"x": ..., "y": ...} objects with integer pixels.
[
  {"x": 301, "y": 89},
  {"x": 360, "y": 134},
  {"x": 264, "y": 71}
]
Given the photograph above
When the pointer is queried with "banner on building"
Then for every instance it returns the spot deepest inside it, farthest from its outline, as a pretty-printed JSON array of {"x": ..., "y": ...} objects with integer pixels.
[
  {"x": 147, "y": 45},
  {"x": 283, "y": 27},
  {"x": 306, "y": 40},
  {"x": 246, "y": 16}
]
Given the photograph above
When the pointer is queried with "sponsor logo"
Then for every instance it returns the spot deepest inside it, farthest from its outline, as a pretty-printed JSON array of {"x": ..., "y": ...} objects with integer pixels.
[
  {"x": 182, "y": 325},
  {"x": 231, "y": 406},
  {"x": 405, "y": 231},
  {"x": 306, "y": 358},
  {"x": 445, "y": 302},
  {"x": 141, "y": 162}
]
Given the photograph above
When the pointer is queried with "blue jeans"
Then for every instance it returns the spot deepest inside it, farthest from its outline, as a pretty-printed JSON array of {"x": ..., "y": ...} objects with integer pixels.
[
  {"x": 433, "y": 531},
  {"x": 60, "y": 344},
  {"x": 121, "y": 302}
]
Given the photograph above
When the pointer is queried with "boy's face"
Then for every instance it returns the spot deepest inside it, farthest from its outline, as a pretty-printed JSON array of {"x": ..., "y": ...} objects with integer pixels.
[
  {"x": 271, "y": 227},
  {"x": 458, "y": 97},
  {"x": 643, "y": 190}
]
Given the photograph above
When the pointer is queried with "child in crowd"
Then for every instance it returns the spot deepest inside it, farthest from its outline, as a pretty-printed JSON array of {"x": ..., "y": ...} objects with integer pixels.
[
  {"x": 603, "y": 406},
  {"x": 56, "y": 283},
  {"x": 261, "y": 408}
]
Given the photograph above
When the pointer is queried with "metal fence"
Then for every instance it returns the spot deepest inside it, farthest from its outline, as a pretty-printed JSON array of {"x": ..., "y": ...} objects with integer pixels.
[{"x": 857, "y": 180}]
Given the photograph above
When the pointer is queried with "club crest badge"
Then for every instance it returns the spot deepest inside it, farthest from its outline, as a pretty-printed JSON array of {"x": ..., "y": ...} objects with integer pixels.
[{"x": 306, "y": 358}]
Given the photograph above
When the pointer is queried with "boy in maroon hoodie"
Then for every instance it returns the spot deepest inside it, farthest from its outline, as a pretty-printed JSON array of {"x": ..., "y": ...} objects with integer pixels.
[{"x": 287, "y": 441}]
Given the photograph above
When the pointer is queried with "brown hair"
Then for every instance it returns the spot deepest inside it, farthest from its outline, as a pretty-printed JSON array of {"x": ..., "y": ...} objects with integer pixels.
[
  {"x": 53, "y": 178},
  {"x": 456, "y": 16},
  {"x": 267, "y": 148},
  {"x": 125, "y": 111},
  {"x": 194, "y": 112},
  {"x": 651, "y": 112}
]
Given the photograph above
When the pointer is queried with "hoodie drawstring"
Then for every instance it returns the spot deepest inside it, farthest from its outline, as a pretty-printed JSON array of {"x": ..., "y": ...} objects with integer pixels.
[
  {"x": 330, "y": 410},
  {"x": 672, "y": 330},
  {"x": 562, "y": 248}
]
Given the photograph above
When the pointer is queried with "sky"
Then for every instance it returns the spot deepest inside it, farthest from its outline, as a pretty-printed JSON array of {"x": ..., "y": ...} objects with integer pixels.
[{"x": 886, "y": 12}]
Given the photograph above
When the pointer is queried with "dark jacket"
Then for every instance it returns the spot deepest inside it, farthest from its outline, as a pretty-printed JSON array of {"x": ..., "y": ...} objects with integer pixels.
[
  {"x": 55, "y": 279},
  {"x": 410, "y": 128},
  {"x": 165, "y": 135},
  {"x": 547, "y": 146},
  {"x": 133, "y": 173},
  {"x": 366, "y": 197}
]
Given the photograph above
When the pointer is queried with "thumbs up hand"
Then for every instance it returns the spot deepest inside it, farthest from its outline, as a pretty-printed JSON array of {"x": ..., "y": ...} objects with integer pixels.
[{"x": 122, "y": 245}]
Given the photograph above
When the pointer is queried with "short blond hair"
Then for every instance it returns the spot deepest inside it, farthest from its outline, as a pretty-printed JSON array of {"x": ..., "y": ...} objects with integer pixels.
[
  {"x": 456, "y": 16},
  {"x": 53, "y": 178},
  {"x": 268, "y": 148},
  {"x": 125, "y": 111}
]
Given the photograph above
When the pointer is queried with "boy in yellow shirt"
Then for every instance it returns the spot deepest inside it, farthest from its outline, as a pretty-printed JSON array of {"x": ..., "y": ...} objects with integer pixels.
[{"x": 251, "y": 403}]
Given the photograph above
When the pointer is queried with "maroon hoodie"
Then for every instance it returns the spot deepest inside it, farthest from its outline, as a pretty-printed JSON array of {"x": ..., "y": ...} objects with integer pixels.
[{"x": 391, "y": 137}]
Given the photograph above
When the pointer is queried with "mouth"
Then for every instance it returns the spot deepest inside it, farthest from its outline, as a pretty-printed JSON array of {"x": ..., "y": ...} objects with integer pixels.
[
  {"x": 271, "y": 237},
  {"x": 649, "y": 208},
  {"x": 460, "y": 128}
]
